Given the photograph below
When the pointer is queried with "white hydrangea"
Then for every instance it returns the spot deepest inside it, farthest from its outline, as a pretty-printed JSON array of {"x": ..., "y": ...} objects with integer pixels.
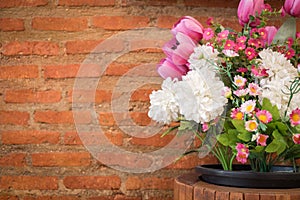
[
  {"x": 281, "y": 73},
  {"x": 164, "y": 108},
  {"x": 204, "y": 56},
  {"x": 199, "y": 95}
]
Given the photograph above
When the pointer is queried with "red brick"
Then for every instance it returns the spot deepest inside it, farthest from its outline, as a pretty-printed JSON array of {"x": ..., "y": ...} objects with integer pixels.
[
  {"x": 13, "y": 160},
  {"x": 8, "y": 197},
  {"x": 30, "y": 48},
  {"x": 81, "y": 46},
  {"x": 128, "y": 161},
  {"x": 72, "y": 138},
  {"x": 135, "y": 183},
  {"x": 148, "y": 2},
  {"x": 141, "y": 95},
  {"x": 59, "y": 24},
  {"x": 86, "y": 3},
  {"x": 120, "y": 22},
  {"x": 166, "y": 21},
  {"x": 156, "y": 140},
  {"x": 61, "y": 117},
  {"x": 21, "y": 3},
  {"x": 29, "y": 182},
  {"x": 106, "y": 119},
  {"x": 85, "y": 96},
  {"x": 61, "y": 159},
  {"x": 140, "y": 118},
  {"x": 92, "y": 182},
  {"x": 14, "y": 117},
  {"x": 118, "y": 69},
  {"x": 11, "y": 24},
  {"x": 31, "y": 96},
  {"x": 52, "y": 198},
  {"x": 71, "y": 71},
  {"x": 15, "y": 72},
  {"x": 30, "y": 137},
  {"x": 215, "y": 3},
  {"x": 190, "y": 161}
]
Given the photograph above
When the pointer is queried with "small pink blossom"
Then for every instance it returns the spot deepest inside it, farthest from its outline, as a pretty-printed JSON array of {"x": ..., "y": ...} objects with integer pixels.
[
  {"x": 254, "y": 43},
  {"x": 240, "y": 81},
  {"x": 296, "y": 138},
  {"x": 295, "y": 117},
  {"x": 208, "y": 34},
  {"x": 290, "y": 53},
  {"x": 229, "y": 45},
  {"x": 263, "y": 33},
  {"x": 240, "y": 46},
  {"x": 251, "y": 125},
  {"x": 241, "y": 92},
  {"x": 264, "y": 116},
  {"x": 262, "y": 139},
  {"x": 236, "y": 114},
  {"x": 259, "y": 71},
  {"x": 241, "y": 39},
  {"x": 250, "y": 53},
  {"x": 227, "y": 92},
  {"x": 242, "y": 153},
  {"x": 223, "y": 35},
  {"x": 254, "y": 89},
  {"x": 242, "y": 70},
  {"x": 205, "y": 126}
]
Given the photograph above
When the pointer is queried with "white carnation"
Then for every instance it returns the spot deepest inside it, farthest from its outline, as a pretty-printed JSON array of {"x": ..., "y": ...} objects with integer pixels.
[
  {"x": 199, "y": 95},
  {"x": 281, "y": 72},
  {"x": 277, "y": 65},
  {"x": 164, "y": 107},
  {"x": 204, "y": 56}
]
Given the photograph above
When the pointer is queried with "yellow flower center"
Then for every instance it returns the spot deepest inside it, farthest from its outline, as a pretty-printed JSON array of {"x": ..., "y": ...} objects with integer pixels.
[
  {"x": 252, "y": 126},
  {"x": 295, "y": 117},
  {"x": 239, "y": 115},
  {"x": 262, "y": 118},
  {"x": 249, "y": 108}
]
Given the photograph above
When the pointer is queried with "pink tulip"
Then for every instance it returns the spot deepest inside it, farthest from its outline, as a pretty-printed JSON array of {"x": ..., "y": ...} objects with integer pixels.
[
  {"x": 271, "y": 32},
  {"x": 292, "y": 7},
  {"x": 166, "y": 68},
  {"x": 247, "y": 8},
  {"x": 179, "y": 49},
  {"x": 190, "y": 27}
]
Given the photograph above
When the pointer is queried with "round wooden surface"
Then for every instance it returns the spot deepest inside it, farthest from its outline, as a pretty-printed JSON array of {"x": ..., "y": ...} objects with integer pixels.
[{"x": 189, "y": 187}]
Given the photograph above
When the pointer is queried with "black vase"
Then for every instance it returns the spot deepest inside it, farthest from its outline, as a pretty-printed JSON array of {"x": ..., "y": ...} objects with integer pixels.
[{"x": 243, "y": 176}]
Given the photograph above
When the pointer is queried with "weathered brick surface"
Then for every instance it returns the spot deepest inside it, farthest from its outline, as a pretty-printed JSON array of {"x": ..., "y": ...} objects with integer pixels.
[{"x": 49, "y": 130}]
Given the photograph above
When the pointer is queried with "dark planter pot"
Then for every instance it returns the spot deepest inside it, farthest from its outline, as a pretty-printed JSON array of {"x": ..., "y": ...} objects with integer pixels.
[{"x": 242, "y": 176}]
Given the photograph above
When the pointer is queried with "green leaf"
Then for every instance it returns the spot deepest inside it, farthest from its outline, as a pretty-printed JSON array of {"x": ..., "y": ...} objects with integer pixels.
[
  {"x": 281, "y": 127},
  {"x": 278, "y": 144},
  {"x": 186, "y": 125},
  {"x": 267, "y": 105},
  {"x": 245, "y": 136},
  {"x": 239, "y": 124},
  {"x": 169, "y": 130},
  {"x": 229, "y": 138},
  {"x": 287, "y": 30}
]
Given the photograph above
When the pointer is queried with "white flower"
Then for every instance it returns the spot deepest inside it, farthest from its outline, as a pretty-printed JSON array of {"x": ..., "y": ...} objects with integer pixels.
[
  {"x": 164, "y": 107},
  {"x": 199, "y": 95},
  {"x": 281, "y": 73},
  {"x": 204, "y": 56},
  {"x": 277, "y": 66},
  {"x": 230, "y": 53},
  {"x": 274, "y": 92},
  {"x": 248, "y": 106}
]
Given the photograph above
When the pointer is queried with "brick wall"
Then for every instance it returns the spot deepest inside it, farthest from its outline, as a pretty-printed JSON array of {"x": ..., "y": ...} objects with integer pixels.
[{"x": 43, "y": 46}]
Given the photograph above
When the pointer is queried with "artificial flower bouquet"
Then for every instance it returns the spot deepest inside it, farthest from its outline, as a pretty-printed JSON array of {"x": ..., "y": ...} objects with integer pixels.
[{"x": 239, "y": 87}]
